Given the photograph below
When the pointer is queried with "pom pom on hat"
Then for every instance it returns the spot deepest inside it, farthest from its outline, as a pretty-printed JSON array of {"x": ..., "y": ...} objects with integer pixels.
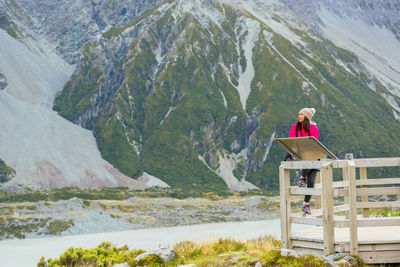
[{"x": 308, "y": 112}]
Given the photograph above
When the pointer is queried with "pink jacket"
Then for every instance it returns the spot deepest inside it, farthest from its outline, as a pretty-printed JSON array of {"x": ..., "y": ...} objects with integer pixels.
[{"x": 313, "y": 131}]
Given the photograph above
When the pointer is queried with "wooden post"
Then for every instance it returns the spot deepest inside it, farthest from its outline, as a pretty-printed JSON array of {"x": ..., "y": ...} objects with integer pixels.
[
  {"x": 363, "y": 175},
  {"x": 318, "y": 198},
  {"x": 284, "y": 182},
  {"x": 346, "y": 198},
  {"x": 351, "y": 172},
  {"x": 327, "y": 208}
]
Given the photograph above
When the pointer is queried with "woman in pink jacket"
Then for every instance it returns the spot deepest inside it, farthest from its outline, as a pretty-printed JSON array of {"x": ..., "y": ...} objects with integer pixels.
[{"x": 306, "y": 127}]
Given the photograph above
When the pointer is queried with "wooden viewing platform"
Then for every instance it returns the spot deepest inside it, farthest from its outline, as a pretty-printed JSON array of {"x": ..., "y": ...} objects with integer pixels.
[{"x": 374, "y": 240}]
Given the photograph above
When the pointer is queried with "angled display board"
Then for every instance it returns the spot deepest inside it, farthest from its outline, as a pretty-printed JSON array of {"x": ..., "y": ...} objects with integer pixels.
[{"x": 305, "y": 148}]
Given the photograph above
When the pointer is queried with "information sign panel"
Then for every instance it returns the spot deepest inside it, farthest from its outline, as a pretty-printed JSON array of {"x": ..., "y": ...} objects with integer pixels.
[{"x": 305, "y": 148}]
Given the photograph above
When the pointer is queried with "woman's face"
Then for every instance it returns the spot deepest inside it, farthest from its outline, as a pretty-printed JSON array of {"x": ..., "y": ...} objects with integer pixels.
[{"x": 301, "y": 117}]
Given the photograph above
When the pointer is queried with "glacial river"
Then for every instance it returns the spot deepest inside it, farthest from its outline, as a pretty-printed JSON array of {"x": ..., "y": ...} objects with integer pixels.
[{"x": 27, "y": 252}]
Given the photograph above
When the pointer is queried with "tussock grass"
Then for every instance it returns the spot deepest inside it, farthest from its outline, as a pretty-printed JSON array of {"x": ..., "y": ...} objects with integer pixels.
[
  {"x": 189, "y": 250},
  {"x": 222, "y": 252}
]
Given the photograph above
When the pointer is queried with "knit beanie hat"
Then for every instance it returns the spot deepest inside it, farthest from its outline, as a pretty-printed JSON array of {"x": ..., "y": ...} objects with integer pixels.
[{"x": 308, "y": 112}]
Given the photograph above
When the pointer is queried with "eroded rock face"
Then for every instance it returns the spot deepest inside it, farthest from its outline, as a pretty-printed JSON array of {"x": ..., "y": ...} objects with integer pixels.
[
  {"x": 70, "y": 24},
  {"x": 382, "y": 13}
]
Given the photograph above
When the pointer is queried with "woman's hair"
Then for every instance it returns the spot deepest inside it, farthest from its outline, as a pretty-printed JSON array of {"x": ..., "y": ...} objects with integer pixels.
[{"x": 306, "y": 126}]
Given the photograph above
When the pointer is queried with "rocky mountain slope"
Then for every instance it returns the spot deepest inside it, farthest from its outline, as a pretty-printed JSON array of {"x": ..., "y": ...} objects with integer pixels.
[
  {"x": 44, "y": 149},
  {"x": 206, "y": 85},
  {"x": 370, "y": 29},
  {"x": 193, "y": 92}
]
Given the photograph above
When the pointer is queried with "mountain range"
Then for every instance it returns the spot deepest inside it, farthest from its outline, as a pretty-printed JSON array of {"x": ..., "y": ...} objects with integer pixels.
[{"x": 190, "y": 94}]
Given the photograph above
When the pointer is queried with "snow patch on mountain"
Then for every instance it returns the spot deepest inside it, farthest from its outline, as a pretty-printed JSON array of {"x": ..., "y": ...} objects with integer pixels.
[
  {"x": 305, "y": 64},
  {"x": 200, "y": 9},
  {"x": 252, "y": 28},
  {"x": 270, "y": 12},
  {"x": 341, "y": 63},
  {"x": 166, "y": 115},
  {"x": 268, "y": 146},
  {"x": 227, "y": 164},
  {"x": 394, "y": 104},
  {"x": 224, "y": 99}
]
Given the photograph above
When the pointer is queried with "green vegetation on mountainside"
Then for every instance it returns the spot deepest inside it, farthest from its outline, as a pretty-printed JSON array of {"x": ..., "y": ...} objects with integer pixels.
[
  {"x": 351, "y": 117},
  {"x": 169, "y": 151},
  {"x": 76, "y": 94},
  {"x": 162, "y": 101}
]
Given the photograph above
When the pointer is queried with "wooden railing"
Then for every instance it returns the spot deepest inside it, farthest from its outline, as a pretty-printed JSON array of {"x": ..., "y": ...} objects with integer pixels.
[{"x": 349, "y": 188}]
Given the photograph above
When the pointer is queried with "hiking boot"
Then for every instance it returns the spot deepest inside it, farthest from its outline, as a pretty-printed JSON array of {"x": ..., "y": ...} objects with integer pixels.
[
  {"x": 306, "y": 208},
  {"x": 301, "y": 182}
]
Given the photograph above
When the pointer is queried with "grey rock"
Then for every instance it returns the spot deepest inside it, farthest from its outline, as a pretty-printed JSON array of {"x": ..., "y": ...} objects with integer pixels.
[
  {"x": 290, "y": 252},
  {"x": 351, "y": 260},
  {"x": 69, "y": 24},
  {"x": 165, "y": 254},
  {"x": 258, "y": 264},
  {"x": 335, "y": 256},
  {"x": 125, "y": 264},
  {"x": 188, "y": 265},
  {"x": 328, "y": 262}
]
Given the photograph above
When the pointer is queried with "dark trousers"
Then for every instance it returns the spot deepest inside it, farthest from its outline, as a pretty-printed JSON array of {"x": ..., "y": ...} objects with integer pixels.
[{"x": 310, "y": 175}]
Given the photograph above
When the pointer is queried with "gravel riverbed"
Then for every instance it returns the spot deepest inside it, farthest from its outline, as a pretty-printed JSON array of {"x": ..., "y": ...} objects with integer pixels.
[{"x": 76, "y": 216}]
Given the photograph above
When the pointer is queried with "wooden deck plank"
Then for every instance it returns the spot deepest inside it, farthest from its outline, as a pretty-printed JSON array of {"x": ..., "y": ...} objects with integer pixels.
[
  {"x": 377, "y": 162},
  {"x": 335, "y": 184},
  {"x": 375, "y": 247},
  {"x": 369, "y": 222},
  {"x": 378, "y": 191},
  {"x": 366, "y": 235},
  {"x": 378, "y": 181},
  {"x": 375, "y": 257},
  {"x": 365, "y": 192},
  {"x": 306, "y": 220},
  {"x": 383, "y": 204},
  {"x": 318, "y": 212},
  {"x": 295, "y": 190},
  {"x": 308, "y": 244}
]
